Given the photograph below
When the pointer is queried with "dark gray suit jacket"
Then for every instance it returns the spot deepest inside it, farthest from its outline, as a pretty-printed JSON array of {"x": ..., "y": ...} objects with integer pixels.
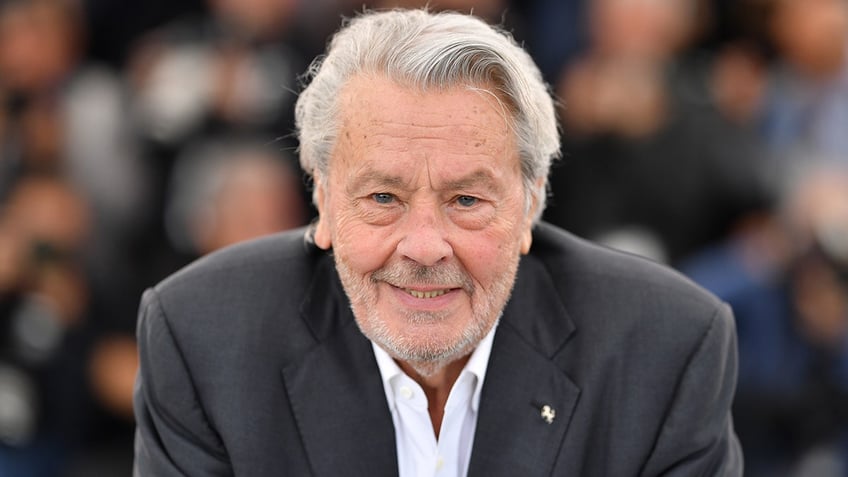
[{"x": 252, "y": 365}]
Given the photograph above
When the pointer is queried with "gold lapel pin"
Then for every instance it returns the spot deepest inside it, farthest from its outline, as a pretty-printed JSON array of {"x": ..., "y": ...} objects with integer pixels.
[{"x": 548, "y": 414}]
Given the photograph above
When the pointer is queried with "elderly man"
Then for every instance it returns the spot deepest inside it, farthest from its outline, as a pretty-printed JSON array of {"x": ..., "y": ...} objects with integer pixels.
[{"x": 426, "y": 324}]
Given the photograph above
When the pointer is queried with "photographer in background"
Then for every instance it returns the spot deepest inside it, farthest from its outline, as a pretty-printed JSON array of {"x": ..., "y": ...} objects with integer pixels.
[
  {"x": 786, "y": 277},
  {"x": 44, "y": 298}
]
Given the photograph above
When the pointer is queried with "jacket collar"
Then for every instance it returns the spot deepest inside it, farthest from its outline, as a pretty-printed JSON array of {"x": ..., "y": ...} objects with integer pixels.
[
  {"x": 527, "y": 400},
  {"x": 335, "y": 391}
]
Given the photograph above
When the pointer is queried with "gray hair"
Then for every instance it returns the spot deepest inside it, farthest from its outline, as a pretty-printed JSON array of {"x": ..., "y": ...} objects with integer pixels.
[{"x": 424, "y": 50}]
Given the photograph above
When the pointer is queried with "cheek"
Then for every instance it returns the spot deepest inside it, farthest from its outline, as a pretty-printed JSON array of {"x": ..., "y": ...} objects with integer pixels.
[
  {"x": 487, "y": 255},
  {"x": 362, "y": 247}
]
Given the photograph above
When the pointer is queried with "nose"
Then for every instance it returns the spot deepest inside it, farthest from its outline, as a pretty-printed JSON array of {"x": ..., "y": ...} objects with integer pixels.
[{"x": 424, "y": 238}]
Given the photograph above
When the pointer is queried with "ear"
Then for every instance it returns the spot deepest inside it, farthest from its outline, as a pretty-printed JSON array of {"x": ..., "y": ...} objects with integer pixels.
[
  {"x": 527, "y": 233},
  {"x": 527, "y": 239},
  {"x": 321, "y": 235}
]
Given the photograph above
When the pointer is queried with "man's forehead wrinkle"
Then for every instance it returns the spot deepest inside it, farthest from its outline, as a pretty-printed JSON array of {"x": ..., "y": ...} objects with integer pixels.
[
  {"x": 468, "y": 140},
  {"x": 480, "y": 177},
  {"x": 367, "y": 175},
  {"x": 438, "y": 124}
]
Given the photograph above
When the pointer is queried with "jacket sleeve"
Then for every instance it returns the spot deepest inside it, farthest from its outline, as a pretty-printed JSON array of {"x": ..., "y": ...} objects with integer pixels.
[
  {"x": 697, "y": 437},
  {"x": 173, "y": 435}
]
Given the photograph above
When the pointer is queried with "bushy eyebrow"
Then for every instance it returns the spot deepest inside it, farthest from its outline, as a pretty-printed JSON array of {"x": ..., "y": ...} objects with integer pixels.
[
  {"x": 479, "y": 178},
  {"x": 370, "y": 178}
]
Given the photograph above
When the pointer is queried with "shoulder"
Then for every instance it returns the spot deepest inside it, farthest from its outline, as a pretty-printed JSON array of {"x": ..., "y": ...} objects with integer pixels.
[
  {"x": 619, "y": 301},
  {"x": 582, "y": 271},
  {"x": 247, "y": 296},
  {"x": 279, "y": 259}
]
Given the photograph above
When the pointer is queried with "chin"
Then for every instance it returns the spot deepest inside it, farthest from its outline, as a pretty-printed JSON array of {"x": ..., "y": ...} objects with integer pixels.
[{"x": 427, "y": 344}]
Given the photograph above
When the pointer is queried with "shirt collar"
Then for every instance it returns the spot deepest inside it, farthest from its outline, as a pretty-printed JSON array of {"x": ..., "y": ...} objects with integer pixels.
[{"x": 476, "y": 365}]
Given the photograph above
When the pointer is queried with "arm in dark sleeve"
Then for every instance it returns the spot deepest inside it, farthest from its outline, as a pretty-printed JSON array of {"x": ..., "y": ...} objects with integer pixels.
[
  {"x": 173, "y": 436},
  {"x": 697, "y": 437}
]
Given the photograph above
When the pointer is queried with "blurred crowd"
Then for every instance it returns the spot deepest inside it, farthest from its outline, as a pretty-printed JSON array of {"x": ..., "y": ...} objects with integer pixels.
[{"x": 711, "y": 135}]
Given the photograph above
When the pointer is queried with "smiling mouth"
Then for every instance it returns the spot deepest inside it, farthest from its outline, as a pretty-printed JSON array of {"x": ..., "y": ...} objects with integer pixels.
[{"x": 425, "y": 294}]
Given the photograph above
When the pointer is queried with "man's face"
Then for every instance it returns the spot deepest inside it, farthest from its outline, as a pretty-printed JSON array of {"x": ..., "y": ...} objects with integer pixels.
[{"x": 424, "y": 208}]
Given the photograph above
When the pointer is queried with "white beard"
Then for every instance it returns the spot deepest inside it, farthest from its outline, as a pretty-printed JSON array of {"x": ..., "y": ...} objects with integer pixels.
[{"x": 425, "y": 354}]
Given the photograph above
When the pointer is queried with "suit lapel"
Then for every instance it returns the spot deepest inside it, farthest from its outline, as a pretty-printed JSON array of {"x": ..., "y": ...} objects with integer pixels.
[
  {"x": 513, "y": 437},
  {"x": 336, "y": 392}
]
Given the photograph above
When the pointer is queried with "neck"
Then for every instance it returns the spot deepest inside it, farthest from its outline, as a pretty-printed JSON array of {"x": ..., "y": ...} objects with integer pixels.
[{"x": 437, "y": 381}]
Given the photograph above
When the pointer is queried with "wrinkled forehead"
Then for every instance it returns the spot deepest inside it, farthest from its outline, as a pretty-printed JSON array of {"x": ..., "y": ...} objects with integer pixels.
[
  {"x": 369, "y": 100},
  {"x": 390, "y": 127},
  {"x": 423, "y": 88},
  {"x": 376, "y": 105}
]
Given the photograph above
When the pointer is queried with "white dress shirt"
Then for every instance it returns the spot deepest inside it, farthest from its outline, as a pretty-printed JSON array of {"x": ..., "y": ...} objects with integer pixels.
[{"x": 419, "y": 453}]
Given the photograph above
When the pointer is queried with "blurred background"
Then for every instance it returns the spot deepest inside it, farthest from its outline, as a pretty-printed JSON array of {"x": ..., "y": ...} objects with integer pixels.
[{"x": 711, "y": 135}]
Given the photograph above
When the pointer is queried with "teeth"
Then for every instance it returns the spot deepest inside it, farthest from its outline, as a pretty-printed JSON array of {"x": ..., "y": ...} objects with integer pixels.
[{"x": 428, "y": 294}]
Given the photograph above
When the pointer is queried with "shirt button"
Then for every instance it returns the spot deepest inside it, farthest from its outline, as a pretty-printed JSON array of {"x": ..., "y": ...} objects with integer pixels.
[
  {"x": 406, "y": 392},
  {"x": 440, "y": 463}
]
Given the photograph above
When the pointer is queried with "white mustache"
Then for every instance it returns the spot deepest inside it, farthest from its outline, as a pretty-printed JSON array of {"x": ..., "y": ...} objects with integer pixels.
[{"x": 404, "y": 275}]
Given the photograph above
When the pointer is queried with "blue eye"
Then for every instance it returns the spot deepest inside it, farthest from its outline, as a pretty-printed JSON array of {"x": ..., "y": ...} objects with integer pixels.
[
  {"x": 466, "y": 200},
  {"x": 383, "y": 198}
]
